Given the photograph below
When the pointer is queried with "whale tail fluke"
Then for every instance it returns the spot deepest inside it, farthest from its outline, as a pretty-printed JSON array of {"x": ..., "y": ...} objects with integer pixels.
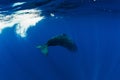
[{"x": 44, "y": 49}]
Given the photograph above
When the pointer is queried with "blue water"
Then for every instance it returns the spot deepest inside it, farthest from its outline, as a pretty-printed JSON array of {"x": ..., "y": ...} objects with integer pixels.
[{"x": 93, "y": 26}]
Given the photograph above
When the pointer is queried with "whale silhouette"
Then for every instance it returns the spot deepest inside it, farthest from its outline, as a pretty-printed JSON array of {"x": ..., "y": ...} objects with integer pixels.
[{"x": 60, "y": 40}]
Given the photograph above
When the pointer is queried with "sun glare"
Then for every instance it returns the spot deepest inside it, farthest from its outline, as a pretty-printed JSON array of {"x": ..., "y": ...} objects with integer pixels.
[
  {"x": 18, "y": 3},
  {"x": 23, "y": 19}
]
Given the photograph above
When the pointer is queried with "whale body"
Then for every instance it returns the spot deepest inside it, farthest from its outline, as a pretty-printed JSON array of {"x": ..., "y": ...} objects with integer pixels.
[{"x": 60, "y": 40}]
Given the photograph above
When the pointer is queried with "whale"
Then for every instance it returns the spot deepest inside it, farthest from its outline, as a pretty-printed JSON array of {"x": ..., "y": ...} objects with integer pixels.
[{"x": 60, "y": 40}]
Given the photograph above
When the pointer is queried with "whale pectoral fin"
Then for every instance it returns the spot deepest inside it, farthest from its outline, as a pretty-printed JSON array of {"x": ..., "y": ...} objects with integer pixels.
[{"x": 44, "y": 49}]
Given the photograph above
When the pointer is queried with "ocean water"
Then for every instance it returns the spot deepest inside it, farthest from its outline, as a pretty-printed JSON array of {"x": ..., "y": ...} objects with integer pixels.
[{"x": 94, "y": 25}]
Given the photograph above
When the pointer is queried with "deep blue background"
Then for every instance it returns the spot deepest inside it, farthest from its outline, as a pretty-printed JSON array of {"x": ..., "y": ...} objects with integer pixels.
[{"x": 95, "y": 31}]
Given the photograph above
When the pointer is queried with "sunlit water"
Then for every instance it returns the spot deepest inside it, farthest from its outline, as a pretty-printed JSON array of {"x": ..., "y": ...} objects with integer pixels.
[
  {"x": 93, "y": 25},
  {"x": 22, "y": 19}
]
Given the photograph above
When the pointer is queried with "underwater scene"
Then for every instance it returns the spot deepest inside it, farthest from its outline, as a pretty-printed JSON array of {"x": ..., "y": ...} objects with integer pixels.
[{"x": 59, "y": 39}]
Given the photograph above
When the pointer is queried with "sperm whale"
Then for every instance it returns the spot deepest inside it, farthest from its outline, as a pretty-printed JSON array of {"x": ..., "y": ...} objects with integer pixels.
[{"x": 60, "y": 40}]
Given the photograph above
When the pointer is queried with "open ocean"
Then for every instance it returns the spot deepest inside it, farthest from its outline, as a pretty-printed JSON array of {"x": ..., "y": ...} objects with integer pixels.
[{"x": 94, "y": 26}]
